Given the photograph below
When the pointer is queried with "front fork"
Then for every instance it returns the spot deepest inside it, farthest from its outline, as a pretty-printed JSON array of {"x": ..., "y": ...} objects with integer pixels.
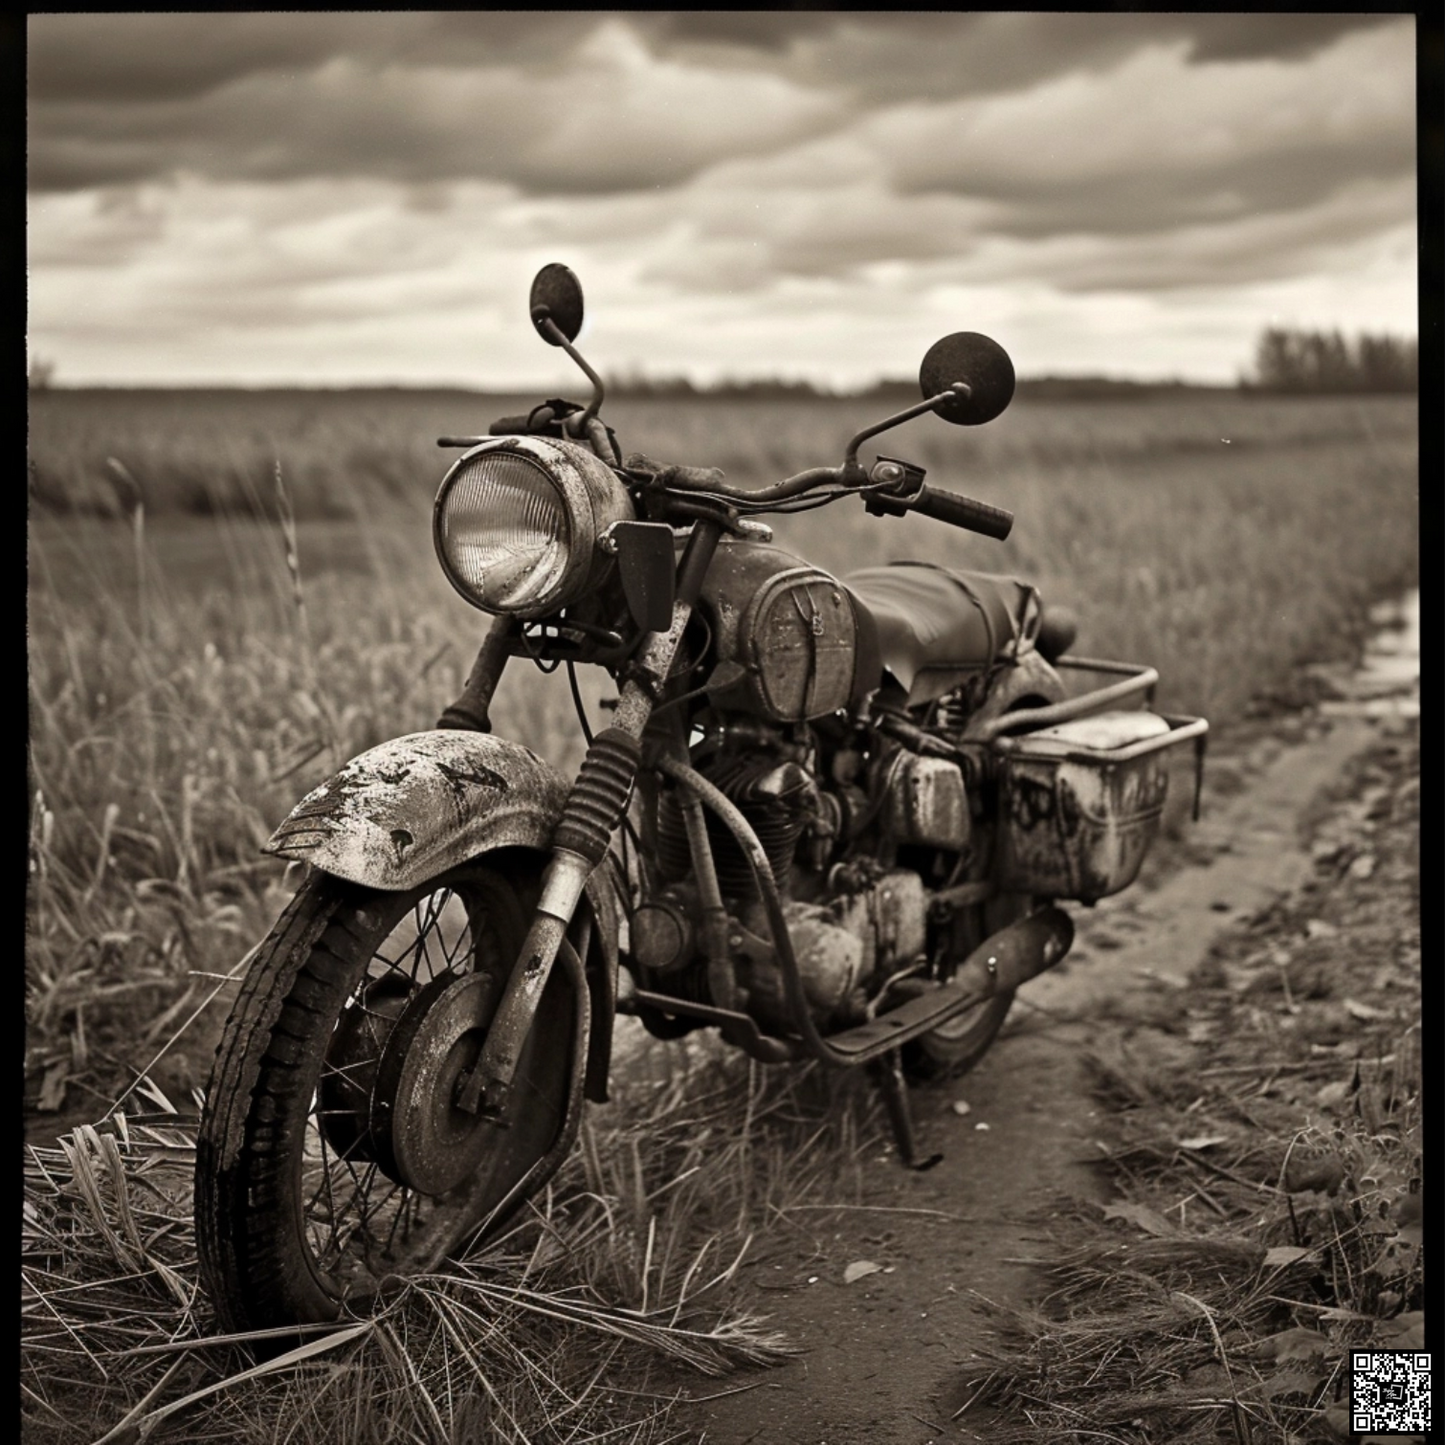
[{"x": 593, "y": 809}]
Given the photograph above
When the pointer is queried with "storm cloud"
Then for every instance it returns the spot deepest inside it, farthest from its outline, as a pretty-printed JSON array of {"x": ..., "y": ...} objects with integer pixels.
[{"x": 331, "y": 167}]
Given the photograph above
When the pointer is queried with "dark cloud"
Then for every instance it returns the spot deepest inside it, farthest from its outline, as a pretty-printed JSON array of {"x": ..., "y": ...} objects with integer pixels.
[
  {"x": 1049, "y": 37},
  {"x": 95, "y": 81},
  {"x": 767, "y": 31},
  {"x": 78, "y": 162},
  {"x": 124, "y": 59},
  {"x": 1158, "y": 143},
  {"x": 1158, "y": 197},
  {"x": 141, "y": 58},
  {"x": 905, "y": 55},
  {"x": 595, "y": 114},
  {"x": 1271, "y": 37}
]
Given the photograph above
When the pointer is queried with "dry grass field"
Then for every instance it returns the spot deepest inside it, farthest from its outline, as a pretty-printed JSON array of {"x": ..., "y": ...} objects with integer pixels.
[
  {"x": 188, "y": 683},
  {"x": 204, "y": 646}
]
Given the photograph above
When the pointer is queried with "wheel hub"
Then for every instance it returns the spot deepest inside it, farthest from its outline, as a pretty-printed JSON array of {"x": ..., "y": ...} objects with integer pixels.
[{"x": 423, "y": 1139}]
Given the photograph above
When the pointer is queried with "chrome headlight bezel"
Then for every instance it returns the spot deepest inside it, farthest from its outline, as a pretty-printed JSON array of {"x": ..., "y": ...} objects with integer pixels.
[{"x": 589, "y": 496}]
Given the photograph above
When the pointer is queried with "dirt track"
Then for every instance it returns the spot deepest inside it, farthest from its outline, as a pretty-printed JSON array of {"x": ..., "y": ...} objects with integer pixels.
[{"x": 887, "y": 1358}]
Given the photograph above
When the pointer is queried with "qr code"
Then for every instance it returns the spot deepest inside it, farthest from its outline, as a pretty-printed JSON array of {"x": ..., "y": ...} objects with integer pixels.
[{"x": 1389, "y": 1392}]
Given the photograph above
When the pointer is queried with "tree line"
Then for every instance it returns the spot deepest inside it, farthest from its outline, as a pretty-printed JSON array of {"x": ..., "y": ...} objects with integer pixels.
[{"x": 1293, "y": 360}]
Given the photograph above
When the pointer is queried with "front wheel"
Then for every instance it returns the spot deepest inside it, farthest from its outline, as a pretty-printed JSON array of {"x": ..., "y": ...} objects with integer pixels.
[{"x": 332, "y": 1155}]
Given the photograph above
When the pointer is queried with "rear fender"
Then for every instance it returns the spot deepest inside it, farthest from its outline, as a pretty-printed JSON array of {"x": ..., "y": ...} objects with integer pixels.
[
  {"x": 417, "y": 806},
  {"x": 1031, "y": 682}
]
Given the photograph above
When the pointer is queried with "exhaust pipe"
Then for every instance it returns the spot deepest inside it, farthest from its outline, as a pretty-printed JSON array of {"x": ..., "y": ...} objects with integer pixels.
[{"x": 1018, "y": 953}]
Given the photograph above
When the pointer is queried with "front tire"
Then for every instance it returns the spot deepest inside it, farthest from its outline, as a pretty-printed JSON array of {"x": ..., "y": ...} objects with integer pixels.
[{"x": 362, "y": 1010}]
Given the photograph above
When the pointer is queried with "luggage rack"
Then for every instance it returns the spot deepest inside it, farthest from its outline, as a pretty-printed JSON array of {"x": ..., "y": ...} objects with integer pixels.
[
  {"x": 1077, "y": 815},
  {"x": 1134, "y": 680}
]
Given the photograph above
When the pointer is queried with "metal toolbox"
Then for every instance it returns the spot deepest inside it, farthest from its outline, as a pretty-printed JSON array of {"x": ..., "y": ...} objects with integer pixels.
[{"x": 1081, "y": 793}]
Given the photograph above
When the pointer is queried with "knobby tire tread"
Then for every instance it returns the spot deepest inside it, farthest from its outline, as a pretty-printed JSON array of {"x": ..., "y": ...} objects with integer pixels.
[
  {"x": 273, "y": 1028},
  {"x": 256, "y": 1262}
]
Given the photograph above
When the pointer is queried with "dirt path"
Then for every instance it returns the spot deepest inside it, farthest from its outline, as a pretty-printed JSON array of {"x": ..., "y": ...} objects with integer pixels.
[{"x": 887, "y": 1359}]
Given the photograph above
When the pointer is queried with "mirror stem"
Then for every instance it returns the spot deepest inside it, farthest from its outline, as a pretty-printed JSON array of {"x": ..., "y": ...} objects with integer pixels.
[
  {"x": 559, "y": 339},
  {"x": 917, "y": 409}
]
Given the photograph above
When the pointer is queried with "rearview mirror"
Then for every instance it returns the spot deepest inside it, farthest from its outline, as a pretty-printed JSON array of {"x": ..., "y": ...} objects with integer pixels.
[
  {"x": 979, "y": 362},
  {"x": 556, "y": 296}
]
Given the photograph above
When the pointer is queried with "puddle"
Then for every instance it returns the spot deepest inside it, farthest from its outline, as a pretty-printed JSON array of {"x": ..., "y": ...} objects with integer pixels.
[{"x": 1387, "y": 682}]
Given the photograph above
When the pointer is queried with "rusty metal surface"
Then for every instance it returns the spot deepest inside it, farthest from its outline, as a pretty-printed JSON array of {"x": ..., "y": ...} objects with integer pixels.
[
  {"x": 990, "y": 722},
  {"x": 1077, "y": 829},
  {"x": 1076, "y": 819},
  {"x": 838, "y": 944},
  {"x": 789, "y": 626},
  {"x": 831, "y": 958},
  {"x": 999, "y": 964},
  {"x": 1031, "y": 677},
  {"x": 415, "y": 806},
  {"x": 927, "y": 803},
  {"x": 1011, "y": 957},
  {"x": 436, "y": 1145}
]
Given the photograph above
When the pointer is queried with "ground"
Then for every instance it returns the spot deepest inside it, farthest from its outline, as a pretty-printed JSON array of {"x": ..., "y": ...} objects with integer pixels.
[
  {"x": 1288, "y": 916},
  {"x": 1239, "y": 1000}
]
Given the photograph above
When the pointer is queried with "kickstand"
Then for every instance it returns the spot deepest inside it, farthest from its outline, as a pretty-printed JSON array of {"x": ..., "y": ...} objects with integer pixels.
[{"x": 894, "y": 1088}]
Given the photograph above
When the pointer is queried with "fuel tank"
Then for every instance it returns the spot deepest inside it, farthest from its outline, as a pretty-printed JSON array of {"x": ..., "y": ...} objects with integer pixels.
[{"x": 805, "y": 643}]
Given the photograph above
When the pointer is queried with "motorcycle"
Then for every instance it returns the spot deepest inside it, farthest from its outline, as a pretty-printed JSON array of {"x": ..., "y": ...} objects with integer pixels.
[{"x": 830, "y": 817}]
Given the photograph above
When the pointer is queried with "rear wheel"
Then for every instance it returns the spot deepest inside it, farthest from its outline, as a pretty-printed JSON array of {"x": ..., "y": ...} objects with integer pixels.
[
  {"x": 332, "y": 1156},
  {"x": 954, "y": 1047}
]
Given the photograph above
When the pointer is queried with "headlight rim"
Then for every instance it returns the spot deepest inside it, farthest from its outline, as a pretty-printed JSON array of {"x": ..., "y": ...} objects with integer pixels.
[{"x": 592, "y": 498}]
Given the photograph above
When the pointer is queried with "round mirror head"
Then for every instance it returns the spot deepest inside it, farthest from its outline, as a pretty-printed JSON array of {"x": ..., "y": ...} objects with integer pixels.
[
  {"x": 557, "y": 293},
  {"x": 980, "y": 362}
]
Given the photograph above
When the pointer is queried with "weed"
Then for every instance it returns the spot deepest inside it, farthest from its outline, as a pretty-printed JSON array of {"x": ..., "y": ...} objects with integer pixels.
[
  {"x": 209, "y": 654},
  {"x": 634, "y": 1252},
  {"x": 1270, "y": 1218}
]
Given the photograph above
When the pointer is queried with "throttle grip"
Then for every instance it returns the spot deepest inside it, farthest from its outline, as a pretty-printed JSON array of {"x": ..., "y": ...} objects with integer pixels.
[{"x": 963, "y": 512}]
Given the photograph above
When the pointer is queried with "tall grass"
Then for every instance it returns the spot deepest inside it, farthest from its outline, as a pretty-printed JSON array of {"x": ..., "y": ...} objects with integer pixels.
[
  {"x": 188, "y": 683},
  {"x": 199, "y": 453},
  {"x": 633, "y": 1256}
]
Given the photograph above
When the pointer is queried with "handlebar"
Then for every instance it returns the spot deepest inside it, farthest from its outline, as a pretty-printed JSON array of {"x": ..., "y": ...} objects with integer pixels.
[
  {"x": 963, "y": 512},
  {"x": 893, "y": 492}
]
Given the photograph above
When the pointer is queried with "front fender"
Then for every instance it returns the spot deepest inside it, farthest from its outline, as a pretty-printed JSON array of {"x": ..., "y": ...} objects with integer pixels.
[{"x": 416, "y": 806}]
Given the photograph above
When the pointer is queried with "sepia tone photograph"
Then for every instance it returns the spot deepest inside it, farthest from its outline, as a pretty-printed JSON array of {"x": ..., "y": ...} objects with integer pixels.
[{"x": 723, "y": 728}]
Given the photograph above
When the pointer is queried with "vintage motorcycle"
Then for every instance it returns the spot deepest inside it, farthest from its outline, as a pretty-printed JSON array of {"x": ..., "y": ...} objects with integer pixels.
[{"x": 830, "y": 818}]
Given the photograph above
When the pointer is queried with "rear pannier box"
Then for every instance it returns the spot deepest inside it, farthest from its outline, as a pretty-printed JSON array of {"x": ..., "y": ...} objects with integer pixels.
[{"x": 1080, "y": 803}]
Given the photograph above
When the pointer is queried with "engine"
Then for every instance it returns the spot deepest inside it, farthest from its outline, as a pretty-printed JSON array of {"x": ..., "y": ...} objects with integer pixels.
[{"x": 843, "y": 833}]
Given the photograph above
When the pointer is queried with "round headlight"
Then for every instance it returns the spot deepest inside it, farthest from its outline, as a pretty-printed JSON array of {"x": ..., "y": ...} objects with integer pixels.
[{"x": 517, "y": 521}]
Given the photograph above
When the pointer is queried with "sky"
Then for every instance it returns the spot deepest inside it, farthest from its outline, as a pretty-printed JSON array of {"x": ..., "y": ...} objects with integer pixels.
[{"x": 328, "y": 199}]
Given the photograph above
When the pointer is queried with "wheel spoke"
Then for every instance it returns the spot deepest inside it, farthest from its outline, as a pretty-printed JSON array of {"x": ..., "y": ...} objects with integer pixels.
[
  {"x": 331, "y": 1193},
  {"x": 409, "y": 1205},
  {"x": 435, "y": 902},
  {"x": 325, "y": 1184},
  {"x": 462, "y": 946},
  {"x": 432, "y": 929}
]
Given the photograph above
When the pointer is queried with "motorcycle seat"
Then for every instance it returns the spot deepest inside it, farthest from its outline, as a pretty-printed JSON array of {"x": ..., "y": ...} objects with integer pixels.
[{"x": 936, "y": 625}]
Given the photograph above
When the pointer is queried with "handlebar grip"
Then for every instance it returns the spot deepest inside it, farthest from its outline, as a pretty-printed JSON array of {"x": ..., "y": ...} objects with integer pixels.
[
  {"x": 702, "y": 478},
  {"x": 963, "y": 512}
]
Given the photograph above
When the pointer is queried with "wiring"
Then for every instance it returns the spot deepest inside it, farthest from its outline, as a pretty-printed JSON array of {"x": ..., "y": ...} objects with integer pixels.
[
  {"x": 803, "y": 503},
  {"x": 577, "y": 700}
]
